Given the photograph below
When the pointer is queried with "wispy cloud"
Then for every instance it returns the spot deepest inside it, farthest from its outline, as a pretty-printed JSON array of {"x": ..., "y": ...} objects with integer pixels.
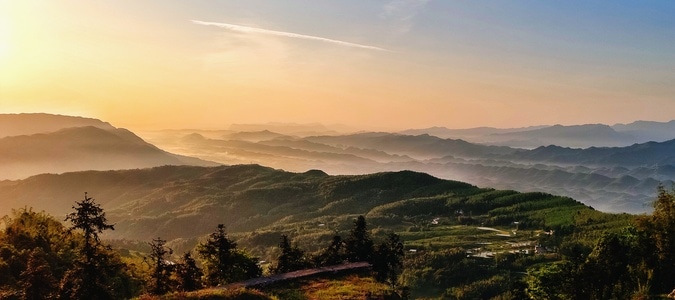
[
  {"x": 403, "y": 12},
  {"x": 254, "y": 30}
]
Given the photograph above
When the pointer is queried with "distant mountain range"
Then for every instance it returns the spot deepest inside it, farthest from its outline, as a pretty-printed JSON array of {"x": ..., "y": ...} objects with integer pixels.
[
  {"x": 650, "y": 154},
  {"x": 51, "y": 145},
  {"x": 421, "y": 146},
  {"x": 577, "y": 136},
  {"x": 616, "y": 179},
  {"x": 294, "y": 129}
]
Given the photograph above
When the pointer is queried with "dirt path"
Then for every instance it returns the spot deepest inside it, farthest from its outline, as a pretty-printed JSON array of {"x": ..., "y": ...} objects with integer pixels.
[{"x": 295, "y": 275}]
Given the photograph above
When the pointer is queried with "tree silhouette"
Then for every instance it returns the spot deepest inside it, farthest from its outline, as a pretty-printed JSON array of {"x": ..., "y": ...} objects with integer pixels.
[
  {"x": 291, "y": 257},
  {"x": 388, "y": 260},
  {"x": 222, "y": 262},
  {"x": 359, "y": 246},
  {"x": 160, "y": 282},
  {"x": 89, "y": 278},
  {"x": 90, "y": 219},
  {"x": 333, "y": 254},
  {"x": 188, "y": 274}
]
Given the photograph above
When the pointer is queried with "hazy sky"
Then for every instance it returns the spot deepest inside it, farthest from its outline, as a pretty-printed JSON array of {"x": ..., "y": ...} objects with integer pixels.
[{"x": 375, "y": 64}]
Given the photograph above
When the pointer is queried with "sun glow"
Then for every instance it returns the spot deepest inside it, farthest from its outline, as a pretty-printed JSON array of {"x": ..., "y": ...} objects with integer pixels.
[
  {"x": 4, "y": 43},
  {"x": 4, "y": 40},
  {"x": 6, "y": 35}
]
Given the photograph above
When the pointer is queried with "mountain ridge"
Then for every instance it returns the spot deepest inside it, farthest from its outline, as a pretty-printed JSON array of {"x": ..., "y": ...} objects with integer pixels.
[
  {"x": 81, "y": 148},
  {"x": 32, "y": 123},
  {"x": 185, "y": 201},
  {"x": 579, "y": 136}
]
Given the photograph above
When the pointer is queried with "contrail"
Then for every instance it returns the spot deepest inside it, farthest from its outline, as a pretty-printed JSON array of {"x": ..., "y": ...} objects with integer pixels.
[{"x": 246, "y": 29}]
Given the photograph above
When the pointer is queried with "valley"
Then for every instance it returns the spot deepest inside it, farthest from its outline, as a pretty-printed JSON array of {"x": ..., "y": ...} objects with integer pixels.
[
  {"x": 612, "y": 179},
  {"x": 434, "y": 217},
  {"x": 352, "y": 150},
  {"x": 505, "y": 212}
]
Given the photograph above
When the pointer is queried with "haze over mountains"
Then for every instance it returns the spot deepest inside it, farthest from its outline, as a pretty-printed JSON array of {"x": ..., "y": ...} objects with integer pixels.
[
  {"x": 576, "y": 136},
  {"x": 608, "y": 178},
  {"x": 616, "y": 179},
  {"x": 27, "y": 124},
  {"x": 40, "y": 143}
]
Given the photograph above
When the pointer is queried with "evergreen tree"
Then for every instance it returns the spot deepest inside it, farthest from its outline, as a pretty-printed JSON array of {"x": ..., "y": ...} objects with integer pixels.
[
  {"x": 222, "y": 262},
  {"x": 90, "y": 277},
  {"x": 188, "y": 274},
  {"x": 291, "y": 257},
  {"x": 90, "y": 219},
  {"x": 388, "y": 260},
  {"x": 333, "y": 254},
  {"x": 37, "y": 250},
  {"x": 359, "y": 246},
  {"x": 244, "y": 266},
  {"x": 160, "y": 282}
]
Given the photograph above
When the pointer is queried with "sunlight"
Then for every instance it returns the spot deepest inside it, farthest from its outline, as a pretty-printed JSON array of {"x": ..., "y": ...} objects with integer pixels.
[
  {"x": 5, "y": 39},
  {"x": 4, "y": 42}
]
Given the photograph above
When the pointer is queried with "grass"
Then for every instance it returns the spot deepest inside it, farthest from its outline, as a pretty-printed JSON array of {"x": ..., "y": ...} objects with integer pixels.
[
  {"x": 212, "y": 294},
  {"x": 344, "y": 287},
  {"x": 341, "y": 287}
]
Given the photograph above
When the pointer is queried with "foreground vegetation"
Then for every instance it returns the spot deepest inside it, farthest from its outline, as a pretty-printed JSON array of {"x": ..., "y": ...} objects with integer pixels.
[
  {"x": 460, "y": 242},
  {"x": 36, "y": 250}
]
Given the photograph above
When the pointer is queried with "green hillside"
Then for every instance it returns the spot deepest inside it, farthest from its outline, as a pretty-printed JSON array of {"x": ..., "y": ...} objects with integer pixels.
[
  {"x": 184, "y": 202},
  {"x": 444, "y": 224}
]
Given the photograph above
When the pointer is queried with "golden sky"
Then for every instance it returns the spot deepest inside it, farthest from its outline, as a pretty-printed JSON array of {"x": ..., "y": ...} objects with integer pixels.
[{"x": 375, "y": 65}]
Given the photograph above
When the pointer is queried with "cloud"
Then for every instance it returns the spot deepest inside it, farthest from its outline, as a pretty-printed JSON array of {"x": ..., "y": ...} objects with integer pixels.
[
  {"x": 403, "y": 12},
  {"x": 253, "y": 30},
  {"x": 403, "y": 9}
]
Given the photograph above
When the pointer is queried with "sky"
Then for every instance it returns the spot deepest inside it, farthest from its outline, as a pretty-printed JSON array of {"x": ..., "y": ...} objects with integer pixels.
[{"x": 385, "y": 65}]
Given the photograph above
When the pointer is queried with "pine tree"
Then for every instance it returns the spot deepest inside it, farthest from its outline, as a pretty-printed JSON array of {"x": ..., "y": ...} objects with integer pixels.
[
  {"x": 160, "y": 282},
  {"x": 88, "y": 279},
  {"x": 222, "y": 262},
  {"x": 188, "y": 274},
  {"x": 291, "y": 257},
  {"x": 333, "y": 254},
  {"x": 90, "y": 219},
  {"x": 388, "y": 260},
  {"x": 359, "y": 246}
]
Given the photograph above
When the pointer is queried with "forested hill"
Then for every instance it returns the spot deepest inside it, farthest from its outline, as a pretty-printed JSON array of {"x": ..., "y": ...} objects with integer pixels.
[{"x": 184, "y": 201}]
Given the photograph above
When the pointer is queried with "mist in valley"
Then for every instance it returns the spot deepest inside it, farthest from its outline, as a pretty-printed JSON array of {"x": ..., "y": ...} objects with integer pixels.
[{"x": 596, "y": 164}]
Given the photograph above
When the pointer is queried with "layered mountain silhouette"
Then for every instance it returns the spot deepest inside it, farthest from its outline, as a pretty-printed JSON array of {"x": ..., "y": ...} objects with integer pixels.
[
  {"x": 421, "y": 146},
  {"x": 650, "y": 154},
  {"x": 576, "y": 136},
  {"x": 468, "y": 133},
  {"x": 646, "y": 131},
  {"x": 617, "y": 179},
  {"x": 27, "y": 124},
  {"x": 59, "y": 148}
]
